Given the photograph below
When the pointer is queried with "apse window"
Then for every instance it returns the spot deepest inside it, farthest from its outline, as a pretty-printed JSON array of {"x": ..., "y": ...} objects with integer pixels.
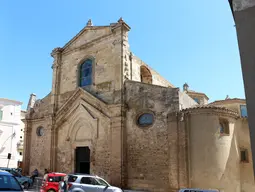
[
  {"x": 145, "y": 119},
  {"x": 243, "y": 110},
  {"x": 224, "y": 127},
  {"x": 244, "y": 155},
  {"x": 146, "y": 76}
]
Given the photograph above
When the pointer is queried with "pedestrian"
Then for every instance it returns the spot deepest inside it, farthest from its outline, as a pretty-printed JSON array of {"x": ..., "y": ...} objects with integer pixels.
[
  {"x": 35, "y": 174},
  {"x": 63, "y": 185},
  {"x": 46, "y": 171}
]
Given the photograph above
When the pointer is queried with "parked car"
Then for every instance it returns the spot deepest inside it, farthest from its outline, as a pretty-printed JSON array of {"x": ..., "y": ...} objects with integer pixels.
[
  {"x": 198, "y": 190},
  {"x": 23, "y": 180},
  {"x": 51, "y": 182},
  {"x": 89, "y": 183},
  {"x": 9, "y": 183}
]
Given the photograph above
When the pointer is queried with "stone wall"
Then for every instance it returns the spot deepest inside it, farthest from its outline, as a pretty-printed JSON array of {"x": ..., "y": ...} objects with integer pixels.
[
  {"x": 186, "y": 101},
  {"x": 105, "y": 50},
  {"x": 214, "y": 158},
  {"x": 89, "y": 122},
  {"x": 156, "y": 78},
  {"x": 246, "y": 168},
  {"x": 41, "y": 108},
  {"x": 147, "y": 148},
  {"x": 40, "y": 146}
]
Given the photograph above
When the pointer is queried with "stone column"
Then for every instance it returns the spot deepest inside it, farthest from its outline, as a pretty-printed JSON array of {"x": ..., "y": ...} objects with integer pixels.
[{"x": 244, "y": 14}]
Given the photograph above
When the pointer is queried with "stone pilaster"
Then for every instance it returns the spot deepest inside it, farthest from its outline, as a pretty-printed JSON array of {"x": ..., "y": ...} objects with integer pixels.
[
  {"x": 27, "y": 148},
  {"x": 178, "y": 151},
  {"x": 116, "y": 151},
  {"x": 183, "y": 151},
  {"x": 56, "y": 54},
  {"x": 173, "y": 150}
]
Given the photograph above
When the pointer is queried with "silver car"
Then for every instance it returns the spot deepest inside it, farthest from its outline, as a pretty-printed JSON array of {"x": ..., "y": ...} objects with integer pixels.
[
  {"x": 89, "y": 183},
  {"x": 8, "y": 183}
]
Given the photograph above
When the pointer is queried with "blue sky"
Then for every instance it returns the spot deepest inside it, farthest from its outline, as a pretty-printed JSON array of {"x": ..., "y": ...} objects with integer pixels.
[{"x": 185, "y": 41}]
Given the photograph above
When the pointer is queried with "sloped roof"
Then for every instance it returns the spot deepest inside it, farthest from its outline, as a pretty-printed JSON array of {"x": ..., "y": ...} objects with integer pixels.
[
  {"x": 211, "y": 107},
  {"x": 197, "y": 93},
  {"x": 228, "y": 101}
]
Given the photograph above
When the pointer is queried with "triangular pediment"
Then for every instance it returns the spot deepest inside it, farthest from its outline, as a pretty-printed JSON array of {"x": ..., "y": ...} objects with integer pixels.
[
  {"x": 86, "y": 35},
  {"x": 90, "y": 34},
  {"x": 81, "y": 99}
]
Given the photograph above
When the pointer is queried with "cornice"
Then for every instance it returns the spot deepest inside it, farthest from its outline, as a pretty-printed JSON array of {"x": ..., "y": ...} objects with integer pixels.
[
  {"x": 90, "y": 99},
  {"x": 197, "y": 93},
  {"x": 81, "y": 32},
  {"x": 86, "y": 45},
  {"x": 9, "y": 123},
  {"x": 56, "y": 51},
  {"x": 10, "y": 101},
  {"x": 69, "y": 102},
  {"x": 38, "y": 119},
  {"x": 227, "y": 101},
  {"x": 222, "y": 111}
]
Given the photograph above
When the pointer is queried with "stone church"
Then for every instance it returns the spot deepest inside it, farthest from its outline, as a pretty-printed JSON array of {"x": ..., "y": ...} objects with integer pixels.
[{"x": 110, "y": 114}]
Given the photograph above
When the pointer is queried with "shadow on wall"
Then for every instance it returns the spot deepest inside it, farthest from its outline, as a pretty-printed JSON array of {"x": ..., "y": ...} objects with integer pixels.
[{"x": 228, "y": 177}]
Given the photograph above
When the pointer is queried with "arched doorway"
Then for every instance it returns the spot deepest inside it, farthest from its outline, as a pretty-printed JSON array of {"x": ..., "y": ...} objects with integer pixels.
[
  {"x": 146, "y": 76},
  {"x": 82, "y": 160}
]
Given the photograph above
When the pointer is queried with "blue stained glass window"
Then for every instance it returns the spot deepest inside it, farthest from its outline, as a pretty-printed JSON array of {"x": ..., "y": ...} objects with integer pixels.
[
  {"x": 243, "y": 109},
  {"x": 86, "y": 73},
  {"x": 145, "y": 119}
]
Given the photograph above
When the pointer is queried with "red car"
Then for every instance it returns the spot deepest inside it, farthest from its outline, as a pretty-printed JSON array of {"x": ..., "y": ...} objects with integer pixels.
[{"x": 51, "y": 182}]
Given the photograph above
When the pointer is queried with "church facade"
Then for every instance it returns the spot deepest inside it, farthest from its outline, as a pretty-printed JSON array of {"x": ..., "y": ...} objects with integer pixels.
[{"x": 110, "y": 114}]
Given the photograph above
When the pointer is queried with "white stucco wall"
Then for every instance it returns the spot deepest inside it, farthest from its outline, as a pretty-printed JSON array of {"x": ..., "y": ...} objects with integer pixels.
[{"x": 10, "y": 131}]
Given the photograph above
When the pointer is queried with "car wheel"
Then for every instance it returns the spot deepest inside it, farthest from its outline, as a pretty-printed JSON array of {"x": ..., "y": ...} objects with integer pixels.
[
  {"x": 26, "y": 185},
  {"x": 51, "y": 190}
]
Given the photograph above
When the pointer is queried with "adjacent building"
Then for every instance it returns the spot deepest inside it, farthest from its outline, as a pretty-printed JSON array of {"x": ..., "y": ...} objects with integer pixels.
[
  {"x": 111, "y": 114},
  {"x": 244, "y": 13},
  {"x": 11, "y": 132}
]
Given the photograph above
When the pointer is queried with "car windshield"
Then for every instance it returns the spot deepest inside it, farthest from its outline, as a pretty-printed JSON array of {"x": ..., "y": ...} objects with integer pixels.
[
  {"x": 72, "y": 178},
  {"x": 9, "y": 183},
  {"x": 15, "y": 173},
  {"x": 101, "y": 182}
]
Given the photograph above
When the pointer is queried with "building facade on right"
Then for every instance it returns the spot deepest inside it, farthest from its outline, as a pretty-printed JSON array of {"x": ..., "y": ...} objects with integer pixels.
[
  {"x": 217, "y": 143},
  {"x": 244, "y": 14}
]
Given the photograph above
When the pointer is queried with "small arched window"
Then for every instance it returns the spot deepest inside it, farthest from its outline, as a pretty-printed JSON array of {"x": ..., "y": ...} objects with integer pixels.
[
  {"x": 146, "y": 76},
  {"x": 86, "y": 73}
]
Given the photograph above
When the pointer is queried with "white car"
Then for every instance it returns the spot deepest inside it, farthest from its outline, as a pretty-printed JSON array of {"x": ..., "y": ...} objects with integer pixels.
[{"x": 89, "y": 183}]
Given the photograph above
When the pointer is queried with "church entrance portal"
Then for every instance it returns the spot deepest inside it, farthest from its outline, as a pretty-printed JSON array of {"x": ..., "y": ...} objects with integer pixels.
[{"x": 82, "y": 155}]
